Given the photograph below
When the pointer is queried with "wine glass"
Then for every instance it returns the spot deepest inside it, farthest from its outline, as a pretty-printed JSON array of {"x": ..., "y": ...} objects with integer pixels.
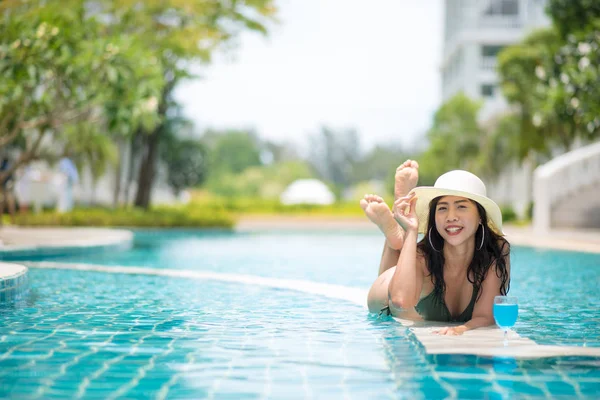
[{"x": 506, "y": 310}]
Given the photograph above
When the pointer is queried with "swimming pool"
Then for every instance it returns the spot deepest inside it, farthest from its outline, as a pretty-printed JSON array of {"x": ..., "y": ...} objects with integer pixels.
[{"x": 89, "y": 334}]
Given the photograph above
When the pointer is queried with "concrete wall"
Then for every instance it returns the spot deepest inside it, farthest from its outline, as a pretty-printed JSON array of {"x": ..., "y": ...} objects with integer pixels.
[
  {"x": 514, "y": 188},
  {"x": 579, "y": 211}
]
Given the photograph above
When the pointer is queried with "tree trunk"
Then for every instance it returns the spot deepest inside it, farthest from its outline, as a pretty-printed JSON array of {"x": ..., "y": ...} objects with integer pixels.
[
  {"x": 147, "y": 166},
  {"x": 150, "y": 149},
  {"x": 118, "y": 167},
  {"x": 93, "y": 197},
  {"x": 134, "y": 143}
]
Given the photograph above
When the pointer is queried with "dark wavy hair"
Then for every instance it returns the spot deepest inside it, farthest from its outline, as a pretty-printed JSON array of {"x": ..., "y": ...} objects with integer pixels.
[{"x": 495, "y": 248}]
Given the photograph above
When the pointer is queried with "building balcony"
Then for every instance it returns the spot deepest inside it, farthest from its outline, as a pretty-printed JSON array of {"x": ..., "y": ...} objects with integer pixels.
[{"x": 488, "y": 63}]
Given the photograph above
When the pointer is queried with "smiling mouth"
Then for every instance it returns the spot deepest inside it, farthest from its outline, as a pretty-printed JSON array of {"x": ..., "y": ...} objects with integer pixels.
[{"x": 454, "y": 230}]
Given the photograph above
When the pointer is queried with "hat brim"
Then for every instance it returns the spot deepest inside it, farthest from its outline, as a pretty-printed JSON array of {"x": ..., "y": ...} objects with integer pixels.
[{"x": 425, "y": 194}]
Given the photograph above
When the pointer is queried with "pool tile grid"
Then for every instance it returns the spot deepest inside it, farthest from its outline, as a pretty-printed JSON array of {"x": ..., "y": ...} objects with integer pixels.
[
  {"x": 442, "y": 378},
  {"x": 527, "y": 377},
  {"x": 62, "y": 345},
  {"x": 482, "y": 341}
]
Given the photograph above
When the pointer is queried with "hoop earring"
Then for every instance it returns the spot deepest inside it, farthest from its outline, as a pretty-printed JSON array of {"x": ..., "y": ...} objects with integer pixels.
[
  {"x": 431, "y": 243},
  {"x": 482, "y": 237}
]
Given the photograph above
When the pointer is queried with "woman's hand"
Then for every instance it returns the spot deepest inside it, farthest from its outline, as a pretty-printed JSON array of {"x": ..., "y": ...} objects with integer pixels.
[
  {"x": 452, "y": 330},
  {"x": 405, "y": 213}
]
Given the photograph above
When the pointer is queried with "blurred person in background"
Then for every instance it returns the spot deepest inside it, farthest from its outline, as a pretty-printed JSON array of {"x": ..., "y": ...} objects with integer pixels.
[{"x": 70, "y": 177}]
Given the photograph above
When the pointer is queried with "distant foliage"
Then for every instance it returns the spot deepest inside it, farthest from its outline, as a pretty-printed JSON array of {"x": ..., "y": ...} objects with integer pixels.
[
  {"x": 265, "y": 182},
  {"x": 232, "y": 151},
  {"x": 334, "y": 154}
]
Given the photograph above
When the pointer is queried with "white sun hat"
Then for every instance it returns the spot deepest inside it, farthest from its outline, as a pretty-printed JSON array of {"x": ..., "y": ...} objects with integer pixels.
[{"x": 457, "y": 183}]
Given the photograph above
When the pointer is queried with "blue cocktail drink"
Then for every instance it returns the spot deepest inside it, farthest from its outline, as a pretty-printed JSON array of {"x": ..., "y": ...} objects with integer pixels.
[
  {"x": 506, "y": 311},
  {"x": 506, "y": 315}
]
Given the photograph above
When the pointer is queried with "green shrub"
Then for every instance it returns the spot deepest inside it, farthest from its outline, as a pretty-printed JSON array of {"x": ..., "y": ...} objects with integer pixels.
[
  {"x": 530, "y": 211},
  {"x": 508, "y": 214},
  {"x": 213, "y": 212},
  {"x": 164, "y": 217},
  {"x": 249, "y": 205}
]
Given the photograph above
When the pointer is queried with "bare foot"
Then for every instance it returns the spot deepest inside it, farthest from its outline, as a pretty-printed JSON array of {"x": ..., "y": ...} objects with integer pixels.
[
  {"x": 407, "y": 175},
  {"x": 380, "y": 214}
]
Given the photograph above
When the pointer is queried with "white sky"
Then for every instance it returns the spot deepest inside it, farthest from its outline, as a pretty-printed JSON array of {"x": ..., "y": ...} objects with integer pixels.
[{"x": 370, "y": 65}]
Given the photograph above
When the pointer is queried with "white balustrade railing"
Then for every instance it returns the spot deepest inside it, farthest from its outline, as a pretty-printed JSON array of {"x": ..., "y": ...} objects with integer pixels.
[{"x": 560, "y": 178}]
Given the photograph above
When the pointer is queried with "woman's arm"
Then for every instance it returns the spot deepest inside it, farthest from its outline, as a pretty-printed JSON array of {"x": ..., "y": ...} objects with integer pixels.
[
  {"x": 407, "y": 281},
  {"x": 389, "y": 258},
  {"x": 406, "y": 284}
]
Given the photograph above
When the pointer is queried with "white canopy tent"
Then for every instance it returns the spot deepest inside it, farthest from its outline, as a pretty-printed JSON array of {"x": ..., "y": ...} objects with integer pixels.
[{"x": 307, "y": 191}]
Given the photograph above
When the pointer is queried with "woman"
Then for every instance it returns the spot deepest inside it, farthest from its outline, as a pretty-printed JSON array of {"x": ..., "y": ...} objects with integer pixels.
[{"x": 460, "y": 265}]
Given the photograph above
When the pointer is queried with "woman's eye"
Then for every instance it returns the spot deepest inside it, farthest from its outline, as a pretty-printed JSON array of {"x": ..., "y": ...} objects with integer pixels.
[{"x": 442, "y": 209}]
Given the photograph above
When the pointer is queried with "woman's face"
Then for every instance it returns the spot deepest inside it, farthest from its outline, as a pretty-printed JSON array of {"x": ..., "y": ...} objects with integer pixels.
[{"x": 456, "y": 219}]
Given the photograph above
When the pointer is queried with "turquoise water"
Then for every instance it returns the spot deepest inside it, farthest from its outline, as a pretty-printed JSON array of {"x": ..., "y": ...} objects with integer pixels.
[
  {"x": 506, "y": 315},
  {"x": 103, "y": 335}
]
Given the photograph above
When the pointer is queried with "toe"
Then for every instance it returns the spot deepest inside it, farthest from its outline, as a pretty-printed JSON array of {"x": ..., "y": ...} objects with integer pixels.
[{"x": 364, "y": 204}]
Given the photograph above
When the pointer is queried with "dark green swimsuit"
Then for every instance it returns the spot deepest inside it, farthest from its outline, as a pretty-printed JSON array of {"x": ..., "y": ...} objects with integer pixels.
[{"x": 432, "y": 308}]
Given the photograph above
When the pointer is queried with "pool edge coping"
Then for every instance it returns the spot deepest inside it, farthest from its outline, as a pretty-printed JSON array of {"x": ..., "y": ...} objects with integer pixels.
[
  {"x": 13, "y": 281},
  {"x": 80, "y": 239}
]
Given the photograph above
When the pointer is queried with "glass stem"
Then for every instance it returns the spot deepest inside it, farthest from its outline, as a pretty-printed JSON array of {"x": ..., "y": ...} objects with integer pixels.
[{"x": 505, "y": 337}]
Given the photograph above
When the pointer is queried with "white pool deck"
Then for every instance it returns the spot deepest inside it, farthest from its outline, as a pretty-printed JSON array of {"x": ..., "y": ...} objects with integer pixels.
[
  {"x": 482, "y": 342},
  {"x": 14, "y": 238}
]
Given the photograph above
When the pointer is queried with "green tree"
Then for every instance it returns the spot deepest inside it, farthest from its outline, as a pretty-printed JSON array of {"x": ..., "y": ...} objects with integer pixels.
[
  {"x": 455, "y": 139},
  {"x": 572, "y": 16},
  {"x": 501, "y": 145},
  {"x": 553, "y": 88},
  {"x": 179, "y": 33},
  {"x": 186, "y": 163},
  {"x": 184, "y": 155},
  {"x": 578, "y": 25},
  {"x": 577, "y": 92},
  {"x": 531, "y": 80},
  {"x": 59, "y": 69}
]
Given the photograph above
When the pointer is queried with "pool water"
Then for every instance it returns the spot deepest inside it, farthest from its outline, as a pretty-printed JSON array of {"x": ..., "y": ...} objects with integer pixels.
[{"x": 103, "y": 335}]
